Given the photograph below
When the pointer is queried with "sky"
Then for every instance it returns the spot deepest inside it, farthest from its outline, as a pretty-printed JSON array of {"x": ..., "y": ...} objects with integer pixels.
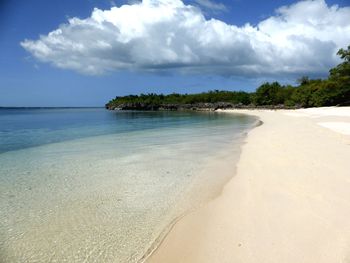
[{"x": 86, "y": 52}]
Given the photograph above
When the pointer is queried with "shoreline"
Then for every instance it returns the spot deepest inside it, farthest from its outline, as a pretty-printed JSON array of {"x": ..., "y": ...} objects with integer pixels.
[
  {"x": 224, "y": 164},
  {"x": 157, "y": 244},
  {"x": 251, "y": 220},
  {"x": 140, "y": 188}
]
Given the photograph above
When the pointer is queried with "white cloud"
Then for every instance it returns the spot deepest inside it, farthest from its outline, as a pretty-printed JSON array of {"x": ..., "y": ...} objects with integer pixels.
[
  {"x": 211, "y": 5},
  {"x": 167, "y": 35}
]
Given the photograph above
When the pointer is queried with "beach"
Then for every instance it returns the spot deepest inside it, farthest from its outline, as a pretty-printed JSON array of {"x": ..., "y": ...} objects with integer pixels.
[
  {"x": 288, "y": 200},
  {"x": 92, "y": 185}
]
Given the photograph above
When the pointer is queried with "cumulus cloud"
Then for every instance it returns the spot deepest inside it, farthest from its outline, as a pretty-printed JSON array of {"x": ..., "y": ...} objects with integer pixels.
[{"x": 168, "y": 35}]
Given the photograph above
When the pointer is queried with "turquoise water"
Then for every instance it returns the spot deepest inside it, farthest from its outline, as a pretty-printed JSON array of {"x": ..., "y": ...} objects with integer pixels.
[{"x": 91, "y": 185}]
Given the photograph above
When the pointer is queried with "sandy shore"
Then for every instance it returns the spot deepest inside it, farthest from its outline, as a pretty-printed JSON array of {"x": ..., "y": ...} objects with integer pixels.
[{"x": 288, "y": 202}]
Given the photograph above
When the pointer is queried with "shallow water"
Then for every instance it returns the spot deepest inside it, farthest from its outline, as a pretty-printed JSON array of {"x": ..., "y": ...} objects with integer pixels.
[{"x": 90, "y": 185}]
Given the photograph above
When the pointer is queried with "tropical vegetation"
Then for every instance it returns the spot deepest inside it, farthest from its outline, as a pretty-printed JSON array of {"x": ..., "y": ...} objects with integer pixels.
[{"x": 334, "y": 90}]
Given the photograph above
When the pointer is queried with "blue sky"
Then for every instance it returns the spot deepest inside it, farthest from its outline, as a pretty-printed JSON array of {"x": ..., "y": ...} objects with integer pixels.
[{"x": 31, "y": 77}]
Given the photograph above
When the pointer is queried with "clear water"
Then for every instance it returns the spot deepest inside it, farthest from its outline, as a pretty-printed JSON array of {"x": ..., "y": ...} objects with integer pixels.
[{"x": 91, "y": 185}]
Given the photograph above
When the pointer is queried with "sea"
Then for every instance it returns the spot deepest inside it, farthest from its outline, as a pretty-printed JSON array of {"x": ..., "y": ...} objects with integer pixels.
[{"x": 93, "y": 185}]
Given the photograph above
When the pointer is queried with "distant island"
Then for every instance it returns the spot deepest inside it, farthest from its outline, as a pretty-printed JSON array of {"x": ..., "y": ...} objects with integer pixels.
[{"x": 335, "y": 90}]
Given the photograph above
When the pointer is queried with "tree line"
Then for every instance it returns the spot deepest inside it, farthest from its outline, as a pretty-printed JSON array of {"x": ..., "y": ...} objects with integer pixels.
[{"x": 334, "y": 90}]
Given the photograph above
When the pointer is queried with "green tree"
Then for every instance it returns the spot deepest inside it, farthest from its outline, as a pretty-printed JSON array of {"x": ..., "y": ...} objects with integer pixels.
[
  {"x": 304, "y": 80},
  {"x": 269, "y": 94}
]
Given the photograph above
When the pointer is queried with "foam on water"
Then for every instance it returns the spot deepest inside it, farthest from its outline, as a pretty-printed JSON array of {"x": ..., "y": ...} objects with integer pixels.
[{"x": 107, "y": 198}]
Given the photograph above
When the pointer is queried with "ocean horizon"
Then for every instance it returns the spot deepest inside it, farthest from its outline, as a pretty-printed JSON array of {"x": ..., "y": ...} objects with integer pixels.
[{"x": 90, "y": 184}]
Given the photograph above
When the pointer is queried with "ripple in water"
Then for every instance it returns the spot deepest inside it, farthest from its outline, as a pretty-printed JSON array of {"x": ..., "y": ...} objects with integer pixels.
[{"x": 106, "y": 193}]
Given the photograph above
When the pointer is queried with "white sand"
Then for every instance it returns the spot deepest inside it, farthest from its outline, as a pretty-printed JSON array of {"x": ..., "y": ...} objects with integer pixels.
[
  {"x": 321, "y": 112},
  {"x": 341, "y": 127},
  {"x": 289, "y": 201}
]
